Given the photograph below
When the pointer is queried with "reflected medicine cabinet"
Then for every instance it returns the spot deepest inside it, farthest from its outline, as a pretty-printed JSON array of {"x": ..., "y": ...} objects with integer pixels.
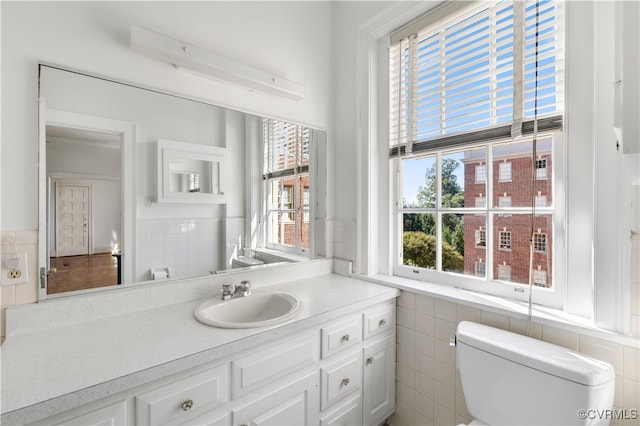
[{"x": 190, "y": 173}]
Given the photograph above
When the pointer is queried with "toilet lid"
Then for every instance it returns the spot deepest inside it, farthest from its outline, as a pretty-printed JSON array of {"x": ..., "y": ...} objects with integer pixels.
[{"x": 542, "y": 356}]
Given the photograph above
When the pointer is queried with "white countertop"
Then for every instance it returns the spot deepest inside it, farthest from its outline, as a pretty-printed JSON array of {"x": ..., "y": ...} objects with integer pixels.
[{"x": 45, "y": 372}]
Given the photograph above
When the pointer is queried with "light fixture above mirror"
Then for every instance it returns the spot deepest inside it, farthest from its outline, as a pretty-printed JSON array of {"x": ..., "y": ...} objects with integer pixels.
[{"x": 207, "y": 63}]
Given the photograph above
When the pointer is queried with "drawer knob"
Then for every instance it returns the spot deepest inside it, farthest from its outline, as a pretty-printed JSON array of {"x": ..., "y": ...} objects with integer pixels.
[
  {"x": 382, "y": 323},
  {"x": 345, "y": 338},
  {"x": 345, "y": 382},
  {"x": 186, "y": 406},
  {"x": 370, "y": 360}
]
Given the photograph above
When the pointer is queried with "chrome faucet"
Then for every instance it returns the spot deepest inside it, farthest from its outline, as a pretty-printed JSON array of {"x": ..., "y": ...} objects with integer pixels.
[{"x": 229, "y": 291}]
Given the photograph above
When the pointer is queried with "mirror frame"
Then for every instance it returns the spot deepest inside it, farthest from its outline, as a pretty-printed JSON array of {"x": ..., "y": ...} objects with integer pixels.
[
  {"x": 127, "y": 130},
  {"x": 168, "y": 150}
]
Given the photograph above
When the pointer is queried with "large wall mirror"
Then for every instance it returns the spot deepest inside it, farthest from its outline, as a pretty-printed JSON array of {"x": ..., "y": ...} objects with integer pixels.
[{"x": 106, "y": 218}]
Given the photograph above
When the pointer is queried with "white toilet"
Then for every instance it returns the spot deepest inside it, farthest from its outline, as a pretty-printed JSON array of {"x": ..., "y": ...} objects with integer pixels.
[
  {"x": 509, "y": 379},
  {"x": 244, "y": 261}
]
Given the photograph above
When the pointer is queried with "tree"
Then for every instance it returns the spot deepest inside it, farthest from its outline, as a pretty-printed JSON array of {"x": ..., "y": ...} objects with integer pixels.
[
  {"x": 420, "y": 250},
  {"x": 452, "y": 197},
  {"x": 452, "y": 193}
]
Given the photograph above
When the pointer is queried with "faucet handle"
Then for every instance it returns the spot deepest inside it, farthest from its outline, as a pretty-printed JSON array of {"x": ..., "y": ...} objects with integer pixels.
[
  {"x": 227, "y": 291},
  {"x": 245, "y": 287}
]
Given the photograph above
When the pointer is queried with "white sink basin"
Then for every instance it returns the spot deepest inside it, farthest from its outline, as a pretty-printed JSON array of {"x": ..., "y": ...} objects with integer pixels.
[{"x": 256, "y": 310}]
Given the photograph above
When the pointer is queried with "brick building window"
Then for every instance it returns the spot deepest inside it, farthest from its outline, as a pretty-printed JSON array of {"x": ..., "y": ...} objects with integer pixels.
[
  {"x": 481, "y": 173},
  {"x": 504, "y": 201},
  {"x": 541, "y": 168},
  {"x": 504, "y": 172},
  {"x": 539, "y": 277},
  {"x": 540, "y": 242},
  {"x": 481, "y": 269},
  {"x": 541, "y": 201},
  {"x": 286, "y": 173},
  {"x": 481, "y": 238},
  {"x": 504, "y": 272},
  {"x": 481, "y": 201},
  {"x": 505, "y": 240}
]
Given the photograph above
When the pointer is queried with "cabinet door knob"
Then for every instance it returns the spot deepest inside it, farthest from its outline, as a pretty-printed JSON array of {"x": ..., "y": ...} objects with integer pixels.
[
  {"x": 370, "y": 360},
  {"x": 186, "y": 406},
  {"x": 382, "y": 323},
  {"x": 345, "y": 382},
  {"x": 345, "y": 338}
]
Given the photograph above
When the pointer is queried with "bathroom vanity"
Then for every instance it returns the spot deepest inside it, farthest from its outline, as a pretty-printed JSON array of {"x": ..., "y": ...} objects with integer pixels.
[{"x": 333, "y": 363}]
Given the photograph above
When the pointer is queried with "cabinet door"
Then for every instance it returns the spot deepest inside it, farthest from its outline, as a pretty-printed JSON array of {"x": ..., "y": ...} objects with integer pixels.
[
  {"x": 111, "y": 415},
  {"x": 379, "y": 380},
  {"x": 295, "y": 404},
  {"x": 341, "y": 378}
]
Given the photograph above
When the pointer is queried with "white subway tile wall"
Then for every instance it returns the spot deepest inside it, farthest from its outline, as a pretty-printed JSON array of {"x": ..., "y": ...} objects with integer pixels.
[
  {"x": 18, "y": 294},
  {"x": 429, "y": 387},
  {"x": 188, "y": 247}
]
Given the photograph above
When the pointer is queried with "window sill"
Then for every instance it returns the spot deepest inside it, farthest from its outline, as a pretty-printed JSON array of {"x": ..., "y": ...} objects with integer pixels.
[{"x": 513, "y": 308}]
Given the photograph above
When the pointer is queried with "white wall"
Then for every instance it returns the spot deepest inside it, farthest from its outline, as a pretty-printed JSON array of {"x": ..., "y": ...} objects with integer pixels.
[
  {"x": 349, "y": 17},
  {"x": 290, "y": 39}
]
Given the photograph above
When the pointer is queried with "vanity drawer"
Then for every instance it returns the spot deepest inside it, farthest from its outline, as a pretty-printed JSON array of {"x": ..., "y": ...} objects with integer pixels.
[
  {"x": 348, "y": 413},
  {"x": 271, "y": 363},
  {"x": 379, "y": 319},
  {"x": 339, "y": 336},
  {"x": 341, "y": 378},
  {"x": 174, "y": 402}
]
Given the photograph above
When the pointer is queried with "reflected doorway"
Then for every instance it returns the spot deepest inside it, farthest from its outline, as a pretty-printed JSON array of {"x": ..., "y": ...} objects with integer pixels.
[{"x": 84, "y": 208}]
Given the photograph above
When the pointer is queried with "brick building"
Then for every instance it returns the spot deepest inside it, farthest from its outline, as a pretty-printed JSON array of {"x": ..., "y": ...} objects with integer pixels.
[
  {"x": 512, "y": 186},
  {"x": 287, "y": 227}
]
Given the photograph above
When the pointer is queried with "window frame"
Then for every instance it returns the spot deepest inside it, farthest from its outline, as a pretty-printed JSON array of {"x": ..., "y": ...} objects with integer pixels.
[
  {"x": 552, "y": 297},
  {"x": 299, "y": 213},
  {"x": 587, "y": 273},
  {"x": 484, "y": 173},
  {"x": 503, "y": 165},
  {"x": 506, "y": 245}
]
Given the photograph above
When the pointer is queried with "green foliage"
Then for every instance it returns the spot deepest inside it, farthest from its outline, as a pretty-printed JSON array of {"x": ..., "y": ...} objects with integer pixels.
[
  {"x": 452, "y": 197},
  {"x": 452, "y": 194},
  {"x": 419, "y": 249}
]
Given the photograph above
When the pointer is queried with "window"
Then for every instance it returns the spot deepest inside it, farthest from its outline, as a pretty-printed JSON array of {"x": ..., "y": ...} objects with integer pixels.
[
  {"x": 504, "y": 172},
  {"x": 481, "y": 173},
  {"x": 539, "y": 277},
  {"x": 504, "y": 201},
  {"x": 504, "y": 272},
  {"x": 505, "y": 240},
  {"x": 541, "y": 201},
  {"x": 481, "y": 238},
  {"x": 541, "y": 168},
  {"x": 540, "y": 242},
  {"x": 464, "y": 93},
  {"x": 286, "y": 173}
]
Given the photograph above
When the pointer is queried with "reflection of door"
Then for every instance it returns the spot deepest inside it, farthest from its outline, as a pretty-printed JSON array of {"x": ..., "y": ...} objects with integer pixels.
[{"x": 73, "y": 216}]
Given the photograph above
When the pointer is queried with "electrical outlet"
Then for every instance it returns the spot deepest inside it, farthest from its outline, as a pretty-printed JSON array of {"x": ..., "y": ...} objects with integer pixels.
[{"x": 14, "y": 269}]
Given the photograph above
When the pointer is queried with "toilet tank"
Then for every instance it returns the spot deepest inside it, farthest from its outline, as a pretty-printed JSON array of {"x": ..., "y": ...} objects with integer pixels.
[{"x": 509, "y": 379}]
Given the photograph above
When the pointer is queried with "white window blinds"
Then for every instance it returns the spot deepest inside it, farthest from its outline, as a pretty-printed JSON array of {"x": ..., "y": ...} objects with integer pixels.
[
  {"x": 479, "y": 73},
  {"x": 286, "y": 148}
]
